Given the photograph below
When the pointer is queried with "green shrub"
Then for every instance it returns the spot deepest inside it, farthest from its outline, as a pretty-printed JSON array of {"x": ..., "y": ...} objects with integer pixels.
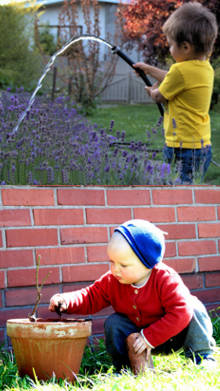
[
  {"x": 19, "y": 60},
  {"x": 8, "y": 77},
  {"x": 46, "y": 41},
  {"x": 95, "y": 359},
  {"x": 9, "y": 376},
  {"x": 217, "y": 80},
  {"x": 214, "y": 314},
  {"x": 216, "y": 89}
]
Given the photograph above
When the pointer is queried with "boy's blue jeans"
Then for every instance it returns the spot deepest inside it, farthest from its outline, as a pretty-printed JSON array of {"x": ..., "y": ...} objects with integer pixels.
[
  {"x": 189, "y": 162},
  {"x": 196, "y": 339}
]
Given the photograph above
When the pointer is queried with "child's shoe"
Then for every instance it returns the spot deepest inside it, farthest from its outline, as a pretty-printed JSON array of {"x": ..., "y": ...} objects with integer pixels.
[{"x": 205, "y": 360}]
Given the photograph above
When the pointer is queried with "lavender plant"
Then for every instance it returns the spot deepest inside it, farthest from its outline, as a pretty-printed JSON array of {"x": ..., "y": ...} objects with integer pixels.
[{"x": 57, "y": 145}]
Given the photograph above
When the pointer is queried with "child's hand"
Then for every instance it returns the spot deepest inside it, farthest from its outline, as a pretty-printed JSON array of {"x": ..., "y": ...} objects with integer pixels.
[
  {"x": 155, "y": 94},
  {"x": 141, "y": 65},
  {"x": 57, "y": 303},
  {"x": 140, "y": 345}
]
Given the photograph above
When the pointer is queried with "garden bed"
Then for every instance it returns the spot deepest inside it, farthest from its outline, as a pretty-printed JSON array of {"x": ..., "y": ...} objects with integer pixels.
[{"x": 56, "y": 145}]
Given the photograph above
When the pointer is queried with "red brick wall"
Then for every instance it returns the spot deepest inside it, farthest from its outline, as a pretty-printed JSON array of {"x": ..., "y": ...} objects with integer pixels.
[{"x": 70, "y": 227}]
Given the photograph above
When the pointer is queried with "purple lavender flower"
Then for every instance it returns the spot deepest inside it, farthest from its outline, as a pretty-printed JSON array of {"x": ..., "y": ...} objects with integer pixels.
[
  {"x": 111, "y": 125},
  {"x": 50, "y": 175},
  {"x": 65, "y": 176},
  {"x": 159, "y": 122},
  {"x": 174, "y": 123},
  {"x": 123, "y": 133},
  {"x": 56, "y": 142}
]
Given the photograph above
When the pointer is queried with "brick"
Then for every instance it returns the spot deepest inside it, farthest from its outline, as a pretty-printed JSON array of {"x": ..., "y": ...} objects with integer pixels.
[
  {"x": 218, "y": 210},
  {"x": 170, "y": 250},
  {"x": 14, "y": 217},
  {"x": 1, "y": 243},
  {"x": 15, "y": 297},
  {"x": 14, "y": 258},
  {"x": 97, "y": 254},
  {"x": 107, "y": 216},
  {"x": 43, "y": 312},
  {"x": 155, "y": 215},
  {"x": 186, "y": 265},
  {"x": 31, "y": 237},
  {"x": 179, "y": 231},
  {"x": 84, "y": 235},
  {"x": 208, "y": 295},
  {"x": 208, "y": 230},
  {"x": 209, "y": 263},
  {"x": 193, "y": 281},
  {"x": 98, "y": 326},
  {"x": 2, "y": 279},
  {"x": 105, "y": 311},
  {"x": 80, "y": 197},
  {"x": 74, "y": 287},
  {"x": 27, "y": 197},
  {"x": 172, "y": 196},
  {"x": 199, "y": 247},
  {"x": 61, "y": 255},
  {"x": 83, "y": 272},
  {"x": 13, "y": 314},
  {"x": 196, "y": 213},
  {"x": 58, "y": 216},
  {"x": 27, "y": 277},
  {"x": 112, "y": 230},
  {"x": 207, "y": 196},
  {"x": 128, "y": 197},
  {"x": 2, "y": 338},
  {"x": 212, "y": 279}
]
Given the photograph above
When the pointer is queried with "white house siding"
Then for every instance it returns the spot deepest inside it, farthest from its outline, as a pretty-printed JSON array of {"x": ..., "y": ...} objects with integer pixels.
[
  {"x": 50, "y": 16},
  {"x": 125, "y": 86}
]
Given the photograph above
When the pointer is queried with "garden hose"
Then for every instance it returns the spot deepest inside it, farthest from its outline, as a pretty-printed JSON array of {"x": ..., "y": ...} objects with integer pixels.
[{"x": 141, "y": 73}]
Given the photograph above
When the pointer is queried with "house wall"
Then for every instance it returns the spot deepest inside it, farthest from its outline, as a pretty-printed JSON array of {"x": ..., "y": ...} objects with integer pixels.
[
  {"x": 50, "y": 16},
  {"x": 125, "y": 86},
  {"x": 70, "y": 228}
]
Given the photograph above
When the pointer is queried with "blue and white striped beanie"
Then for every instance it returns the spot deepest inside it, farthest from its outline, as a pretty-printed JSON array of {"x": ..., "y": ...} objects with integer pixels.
[{"x": 146, "y": 240}]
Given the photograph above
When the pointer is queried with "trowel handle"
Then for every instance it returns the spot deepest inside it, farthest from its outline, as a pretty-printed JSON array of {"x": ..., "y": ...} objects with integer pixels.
[
  {"x": 58, "y": 309},
  {"x": 138, "y": 70}
]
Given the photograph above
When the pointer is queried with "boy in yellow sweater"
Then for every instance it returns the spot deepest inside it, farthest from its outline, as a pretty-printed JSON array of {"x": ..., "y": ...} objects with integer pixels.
[{"x": 186, "y": 89}]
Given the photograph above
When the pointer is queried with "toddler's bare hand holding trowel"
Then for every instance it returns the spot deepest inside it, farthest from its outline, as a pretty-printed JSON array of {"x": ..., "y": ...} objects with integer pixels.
[{"x": 58, "y": 304}]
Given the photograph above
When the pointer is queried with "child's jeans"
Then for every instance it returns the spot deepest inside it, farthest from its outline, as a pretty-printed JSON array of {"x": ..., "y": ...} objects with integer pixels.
[
  {"x": 196, "y": 339},
  {"x": 189, "y": 162}
]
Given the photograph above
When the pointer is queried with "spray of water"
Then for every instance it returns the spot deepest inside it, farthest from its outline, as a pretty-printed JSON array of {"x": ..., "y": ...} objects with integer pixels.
[{"x": 48, "y": 67}]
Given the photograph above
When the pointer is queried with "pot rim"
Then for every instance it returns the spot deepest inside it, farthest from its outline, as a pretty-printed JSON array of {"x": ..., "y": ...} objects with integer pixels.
[
  {"x": 48, "y": 321},
  {"x": 24, "y": 328}
]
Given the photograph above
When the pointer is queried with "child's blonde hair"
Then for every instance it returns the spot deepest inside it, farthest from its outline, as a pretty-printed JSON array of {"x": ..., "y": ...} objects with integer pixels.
[{"x": 194, "y": 24}]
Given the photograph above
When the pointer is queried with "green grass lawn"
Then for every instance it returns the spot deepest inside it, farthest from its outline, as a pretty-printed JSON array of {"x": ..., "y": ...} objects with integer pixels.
[
  {"x": 138, "y": 120},
  {"x": 172, "y": 373}
]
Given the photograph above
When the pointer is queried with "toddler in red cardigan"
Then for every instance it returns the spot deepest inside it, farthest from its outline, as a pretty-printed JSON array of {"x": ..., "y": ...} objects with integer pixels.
[{"x": 154, "y": 312}]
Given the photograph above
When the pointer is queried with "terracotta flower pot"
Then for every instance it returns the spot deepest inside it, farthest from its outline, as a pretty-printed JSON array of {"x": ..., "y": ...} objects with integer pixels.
[{"x": 48, "y": 346}]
